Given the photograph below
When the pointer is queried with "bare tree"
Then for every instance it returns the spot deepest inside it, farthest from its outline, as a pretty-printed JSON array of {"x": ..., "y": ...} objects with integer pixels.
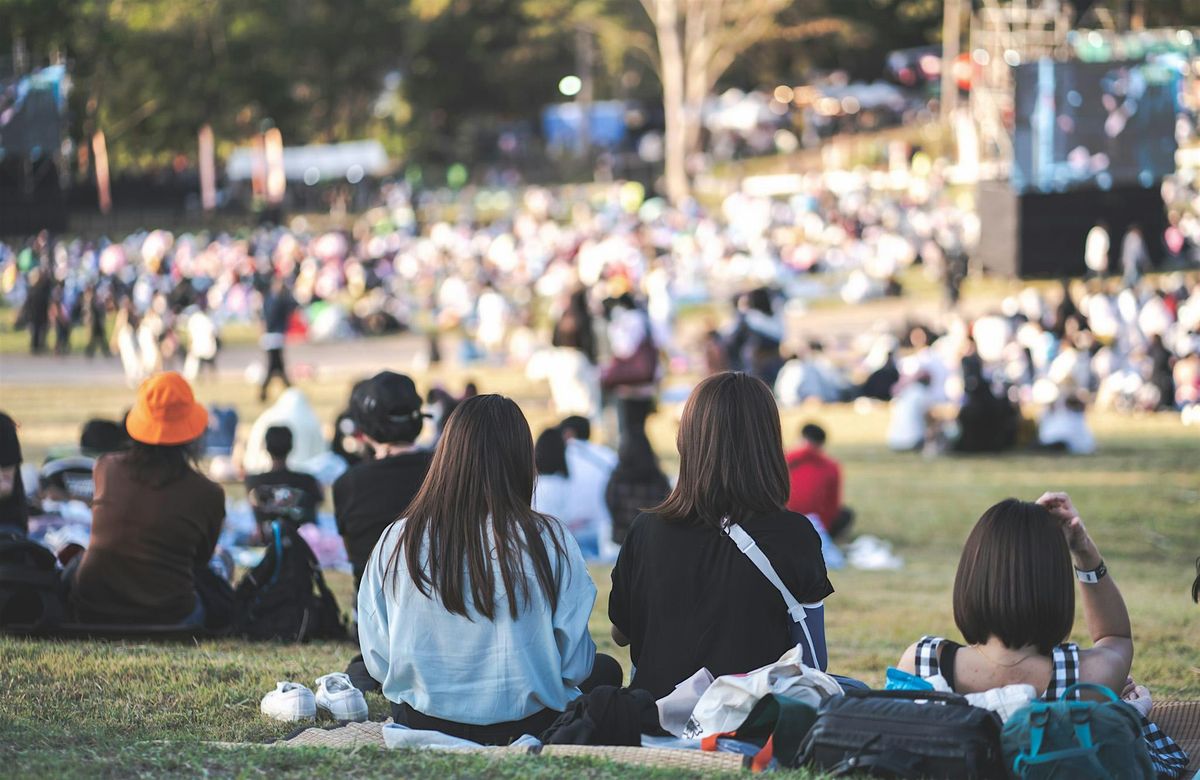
[{"x": 697, "y": 41}]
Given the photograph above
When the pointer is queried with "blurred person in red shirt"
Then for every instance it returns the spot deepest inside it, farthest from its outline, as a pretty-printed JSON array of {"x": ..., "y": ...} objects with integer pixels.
[{"x": 816, "y": 481}]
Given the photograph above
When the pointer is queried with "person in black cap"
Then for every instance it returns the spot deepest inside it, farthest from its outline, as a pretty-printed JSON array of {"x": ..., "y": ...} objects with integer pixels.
[{"x": 386, "y": 410}]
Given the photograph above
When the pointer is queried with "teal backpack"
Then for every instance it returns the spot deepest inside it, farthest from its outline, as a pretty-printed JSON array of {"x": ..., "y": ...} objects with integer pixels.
[{"x": 1063, "y": 739}]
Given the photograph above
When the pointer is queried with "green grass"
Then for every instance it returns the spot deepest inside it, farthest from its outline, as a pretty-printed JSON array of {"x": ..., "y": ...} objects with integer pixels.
[{"x": 136, "y": 708}]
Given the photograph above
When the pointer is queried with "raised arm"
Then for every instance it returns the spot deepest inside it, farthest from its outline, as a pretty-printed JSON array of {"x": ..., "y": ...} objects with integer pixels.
[{"x": 1104, "y": 609}]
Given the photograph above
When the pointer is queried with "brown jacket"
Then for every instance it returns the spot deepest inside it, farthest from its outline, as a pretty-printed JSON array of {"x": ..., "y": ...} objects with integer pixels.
[{"x": 146, "y": 542}]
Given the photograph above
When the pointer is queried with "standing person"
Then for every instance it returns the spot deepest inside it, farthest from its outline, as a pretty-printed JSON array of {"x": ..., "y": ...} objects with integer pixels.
[
  {"x": 203, "y": 342},
  {"x": 473, "y": 610},
  {"x": 278, "y": 305},
  {"x": 684, "y": 595},
  {"x": 1135, "y": 258},
  {"x": 636, "y": 484},
  {"x": 1095, "y": 250},
  {"x": 386, "y": 410},
  {"x": 14, "y": 511},
  {"x": 632, "y": 373},
  {"x": 281, "y": 492},
  {"x": 150, "y": 331},
  {"x": 155, "y": 519},
  {"x": 125, "y": 342},
  {"x": 37, "y": 308},
  {"x": 95, "y": 312},
  {"x": 572, "y": 372},
  {"x": 816, "y": 483},
  {"x": 62, "y": 320}
]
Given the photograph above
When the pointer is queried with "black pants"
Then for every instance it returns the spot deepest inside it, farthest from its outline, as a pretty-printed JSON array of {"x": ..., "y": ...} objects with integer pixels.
[
  {"x": 97, "y": 341},
  {"x": 275, "y": 368},
  {"x": 631, "y": 416},
  {"x": 605, "y": 672},
  {"x": 38, "y": 331}
]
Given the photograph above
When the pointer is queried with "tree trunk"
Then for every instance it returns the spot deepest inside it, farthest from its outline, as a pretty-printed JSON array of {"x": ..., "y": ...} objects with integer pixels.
[{"x": 666, "y": 23}]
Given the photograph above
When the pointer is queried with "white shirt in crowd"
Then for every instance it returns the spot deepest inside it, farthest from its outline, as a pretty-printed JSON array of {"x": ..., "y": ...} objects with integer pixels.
[
  {"x": 1060, "y": 425},
  {"x": 591, "y": 466},
  {"x": 906, "y": 429},
  {"x": 1095, "y": 251}
]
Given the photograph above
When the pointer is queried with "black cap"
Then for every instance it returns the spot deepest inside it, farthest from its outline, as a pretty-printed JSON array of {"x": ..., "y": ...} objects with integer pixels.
[{"x": 387, "y": 408}]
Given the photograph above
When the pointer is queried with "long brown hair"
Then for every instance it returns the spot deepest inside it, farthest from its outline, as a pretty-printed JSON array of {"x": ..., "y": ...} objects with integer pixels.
[
  {"x": 482, "y": 470},
  {"x": 1015, "y": 580},
  {"x": 731, "y": 460}
]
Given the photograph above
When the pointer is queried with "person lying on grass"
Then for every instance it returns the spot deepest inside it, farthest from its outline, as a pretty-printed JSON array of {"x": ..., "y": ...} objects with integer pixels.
[{"x": 473, "y": 609}]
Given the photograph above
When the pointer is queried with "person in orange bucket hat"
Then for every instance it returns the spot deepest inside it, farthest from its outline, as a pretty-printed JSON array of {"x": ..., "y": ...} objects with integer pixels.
[
  {"x": 155, "y": 522},
  {"x": 166, "y": 412}
]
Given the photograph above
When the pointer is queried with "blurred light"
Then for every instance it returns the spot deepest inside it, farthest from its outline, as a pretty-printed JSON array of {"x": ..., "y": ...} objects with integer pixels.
[
  {"x": 1074, "y": 99},
  {"x": 930, "y": 65},
  {"x": 1012, "y": 57},
  {"x": 1095, "y": 39},
  {"x": 850, "y": 104},
  {"x": 1185, "y": 37},
  {"x": 311, "y": 175},
  {"x": 354, "y": 174},
  {"x": 786, "y": 141},
  {"x": 981, "y": 57},
  {"x": 784, "y": 93},
  {"x": 777, "y": 108},
  {"x": 828, "y": 106},
  {"x": 570, "y": 86}
]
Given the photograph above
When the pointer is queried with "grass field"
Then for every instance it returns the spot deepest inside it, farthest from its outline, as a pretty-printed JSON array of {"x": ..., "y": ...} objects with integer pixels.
[{"x": 132, "y": 708}]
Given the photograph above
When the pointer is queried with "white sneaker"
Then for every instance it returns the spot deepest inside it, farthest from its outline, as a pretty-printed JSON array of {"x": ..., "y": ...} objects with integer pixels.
[
  {"x": 338, "y": 695},
  {"x": 290, "y": 701}
]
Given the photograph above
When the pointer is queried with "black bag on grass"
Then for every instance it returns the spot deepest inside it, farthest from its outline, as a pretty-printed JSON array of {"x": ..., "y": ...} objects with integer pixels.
[
  {"x": 31, "y": 593},
  {"x": 285, "y": 596},
  {"x": 890, "y": 734}
]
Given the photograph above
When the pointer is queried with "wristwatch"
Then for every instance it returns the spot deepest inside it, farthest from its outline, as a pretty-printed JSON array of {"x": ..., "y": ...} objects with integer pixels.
[{"x": 1093, "y": 576}]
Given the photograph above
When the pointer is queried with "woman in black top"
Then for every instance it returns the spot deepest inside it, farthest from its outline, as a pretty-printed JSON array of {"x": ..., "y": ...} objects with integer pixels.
[
  {"x": 636, "y": 483},
  {"x": 683, "y": 595}
]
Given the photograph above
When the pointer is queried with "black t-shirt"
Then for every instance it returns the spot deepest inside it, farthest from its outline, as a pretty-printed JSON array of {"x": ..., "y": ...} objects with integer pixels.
[
  {"x": 14, "y": 511},
  {"x": 687, "y": 598},
  {"x": 285, "y": 493},
  {"x": 368, "y": 497}
]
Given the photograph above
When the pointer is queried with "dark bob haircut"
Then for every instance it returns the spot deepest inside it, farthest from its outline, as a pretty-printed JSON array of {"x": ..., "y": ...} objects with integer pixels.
[
  {"x": 1015, "y": 579},
  {"x": 731, "y": 460}
]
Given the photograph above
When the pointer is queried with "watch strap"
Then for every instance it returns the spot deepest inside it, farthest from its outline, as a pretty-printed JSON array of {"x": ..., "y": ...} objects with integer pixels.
[{"x": 1093, "y": 576}]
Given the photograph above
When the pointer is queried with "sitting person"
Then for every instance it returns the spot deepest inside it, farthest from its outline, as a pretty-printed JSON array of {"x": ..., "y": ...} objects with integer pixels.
[
  {"x": 1064, "y": 427},
  {"x": 912, "y": 426},
  {"x": 293, "y": 410},
  {"x": 556, "y": 493},
  {"x": 684, "y": 596},
  {"x": 816, "y": 483},
  {"x": 473, "y": 611},
  {"x": 1014, "y": 602},
  {"x": 281, "y": 492},
  {"x": 590, "y": 465},
  {"x": 636, "y": 484},
  {"x": 155, "y": 519},
  {"x": 368, "y": 497}
]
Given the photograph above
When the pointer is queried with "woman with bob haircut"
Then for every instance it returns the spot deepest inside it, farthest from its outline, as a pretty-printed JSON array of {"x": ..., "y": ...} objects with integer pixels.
[
  {"x": 1014, "y": 602},
  {"x": 684, "y": 595},
  {"x": 473, "y": 609}
]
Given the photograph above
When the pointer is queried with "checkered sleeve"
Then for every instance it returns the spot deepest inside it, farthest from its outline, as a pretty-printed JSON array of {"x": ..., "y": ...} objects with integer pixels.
[
  {"x": 1168, "y": 758},
  {"x": 927, "y": 656}
]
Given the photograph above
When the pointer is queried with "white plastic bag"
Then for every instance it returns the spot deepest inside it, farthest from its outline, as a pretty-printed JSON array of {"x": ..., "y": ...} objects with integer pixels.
[
  {"x": 675, "y": 709},
  {"x": 728, "y": 701}
]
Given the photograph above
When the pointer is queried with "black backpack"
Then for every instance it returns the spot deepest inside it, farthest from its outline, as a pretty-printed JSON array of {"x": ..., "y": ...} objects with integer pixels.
[
  {"x": 890, "y": 734},
  {"x": 285, "y": 596},
  {"x": 31, "y": 593}
]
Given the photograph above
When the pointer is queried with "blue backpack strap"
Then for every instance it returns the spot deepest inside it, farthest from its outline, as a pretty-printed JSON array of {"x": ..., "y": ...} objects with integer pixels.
[{"x": 926, "y": 662}]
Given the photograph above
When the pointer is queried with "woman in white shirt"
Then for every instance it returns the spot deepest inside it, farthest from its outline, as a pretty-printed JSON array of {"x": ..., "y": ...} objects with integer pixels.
[{"x": 473, "y": 610}]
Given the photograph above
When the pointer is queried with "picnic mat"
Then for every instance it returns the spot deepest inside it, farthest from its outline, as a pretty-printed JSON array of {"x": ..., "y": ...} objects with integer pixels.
[
  {"x": 353, "y": 735},
  {"x": 1180, "y": 720}
]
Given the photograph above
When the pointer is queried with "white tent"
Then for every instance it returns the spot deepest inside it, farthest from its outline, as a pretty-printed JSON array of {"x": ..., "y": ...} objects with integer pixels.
[{"x": 317, "y": 161}]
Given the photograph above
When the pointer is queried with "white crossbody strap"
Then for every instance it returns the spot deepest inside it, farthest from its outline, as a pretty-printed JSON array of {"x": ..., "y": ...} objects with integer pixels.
[{"x": 748, "y": 547}]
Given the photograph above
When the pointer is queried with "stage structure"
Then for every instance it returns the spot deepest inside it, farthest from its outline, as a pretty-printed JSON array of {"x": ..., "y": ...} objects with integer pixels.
[{"x": 1078, "y": 124}]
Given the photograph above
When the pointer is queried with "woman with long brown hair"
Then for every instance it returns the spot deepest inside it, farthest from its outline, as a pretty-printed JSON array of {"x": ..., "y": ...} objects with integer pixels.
[
  {"x": 685, "y": 594},
  {"x": 473, "y": 610}
]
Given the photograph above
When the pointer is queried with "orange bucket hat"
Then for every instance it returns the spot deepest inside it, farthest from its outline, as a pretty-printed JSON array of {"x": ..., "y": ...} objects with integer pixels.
[{"x": 166, "y": 412}]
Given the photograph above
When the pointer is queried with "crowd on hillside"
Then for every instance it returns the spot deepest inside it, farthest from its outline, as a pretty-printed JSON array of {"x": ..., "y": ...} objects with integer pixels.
[{"x": 464, "y": 559}]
